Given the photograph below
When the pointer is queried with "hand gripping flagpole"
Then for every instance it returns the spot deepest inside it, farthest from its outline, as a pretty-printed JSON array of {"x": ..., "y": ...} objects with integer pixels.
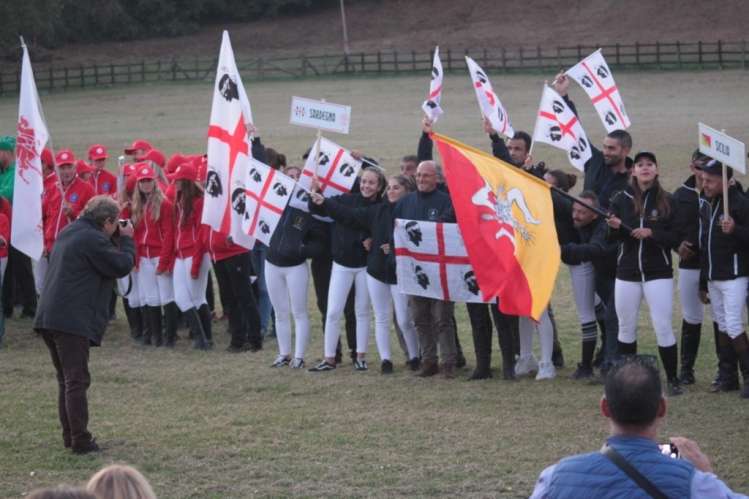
[{"x": 589, "y": 206}]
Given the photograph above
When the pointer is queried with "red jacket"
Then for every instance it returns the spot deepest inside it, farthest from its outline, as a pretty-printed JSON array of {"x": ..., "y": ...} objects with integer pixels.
[
  {"x": 219, "y": 249},
  {"x": 49, "y": 182},
  {"x": 4, "y": 233},
  {"x": 190, "y": 238},
  {"x": 155, "y": 237},
  {"x": 77, "y": 194},
  {"x": 103, "y": 182}
]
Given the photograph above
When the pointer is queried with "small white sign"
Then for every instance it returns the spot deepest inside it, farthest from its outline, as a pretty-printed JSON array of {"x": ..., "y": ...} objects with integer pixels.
[
  {"x": 316, "y": 114},
  {"x": 720, "y": 146}
]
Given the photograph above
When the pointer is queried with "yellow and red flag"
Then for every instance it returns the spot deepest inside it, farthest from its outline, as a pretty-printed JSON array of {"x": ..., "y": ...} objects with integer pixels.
[{"x": 506, "y": 219}]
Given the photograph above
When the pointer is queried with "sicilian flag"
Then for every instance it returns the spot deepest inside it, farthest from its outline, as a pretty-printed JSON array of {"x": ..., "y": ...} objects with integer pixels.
[
  {"x": 26, "y": 227},
  {"x": 336, "y": 172},
  {"x": 431, "y": 261},
  {"x": 594, "y": 75},
  {"x": 558, "y": 126},
  {"x": 261, "y": 203},
  {"x": 489, "y": 102},
  {"x": 432, "y": 105},
  {"x": 507, "y": 221},
  {"x": 228, "y": 148}
]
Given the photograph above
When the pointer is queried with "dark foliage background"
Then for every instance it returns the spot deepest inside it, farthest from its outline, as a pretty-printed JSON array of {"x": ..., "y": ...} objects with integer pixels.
[{"x": 53, "y": 23}]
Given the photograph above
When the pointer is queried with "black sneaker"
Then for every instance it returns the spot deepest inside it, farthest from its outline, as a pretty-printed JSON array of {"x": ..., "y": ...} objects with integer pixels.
[
  {"x": 674, "y": 386},
  {"x": 414, "y": 364},
  {"x": 243, "y": 348},
  {"x": 281, "y": 361},
  {"x": 686, "y": 377},
  {"x": 361, "y": 365},
  {"x": 93, "y": 447},
  {"x": 582, "y": 372},
  {"x": 387, "y": 367},
  {"x": 322, "y": 367}
]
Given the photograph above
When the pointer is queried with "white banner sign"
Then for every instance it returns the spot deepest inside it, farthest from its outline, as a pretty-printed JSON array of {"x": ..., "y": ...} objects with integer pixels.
[
  {"x": 720, "y": 146},
  {"x": 316, "y": 114}
]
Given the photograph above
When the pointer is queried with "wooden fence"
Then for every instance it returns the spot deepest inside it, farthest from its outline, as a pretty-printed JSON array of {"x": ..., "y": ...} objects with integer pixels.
[{"x": 639, "y": 56}]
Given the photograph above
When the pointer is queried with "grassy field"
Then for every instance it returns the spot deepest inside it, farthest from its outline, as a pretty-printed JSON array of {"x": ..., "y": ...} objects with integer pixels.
[{"x": 217, "y": 425}]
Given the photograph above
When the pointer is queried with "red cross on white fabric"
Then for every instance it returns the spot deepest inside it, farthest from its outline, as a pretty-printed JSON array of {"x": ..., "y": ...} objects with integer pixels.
[
  {"x": 441, "y": 258},
  {"x": 237, "y": 141},
  {"x": 261, "y": 201},
  {"x": 605, "y": 93},
  {"x": 566, "y": 128},
  {"x": 326, "y": 181}
]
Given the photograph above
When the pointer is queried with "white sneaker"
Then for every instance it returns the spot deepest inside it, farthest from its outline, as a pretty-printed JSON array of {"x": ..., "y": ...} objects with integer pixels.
[
  {"x": 297, "y": 364},
  {"x": 524, "y": 365},
  {"x": 546, "y": 370}
]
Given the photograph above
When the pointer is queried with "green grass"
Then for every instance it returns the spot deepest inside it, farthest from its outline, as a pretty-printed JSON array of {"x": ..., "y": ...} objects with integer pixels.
[{"x": 216, "y": 425}]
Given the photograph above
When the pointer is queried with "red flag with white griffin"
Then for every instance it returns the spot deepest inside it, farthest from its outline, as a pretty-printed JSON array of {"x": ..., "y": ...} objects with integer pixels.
[
  {"x": 432, "y": 105},
  {"x": 26, "y": 228},
  {"x": 558, "y": 126},
  {"x": 489, "y": 102},
  {"x": 262, "y": 203},
  {"x": 594, "y": 75},
  {"x": 228, "y": 148}
]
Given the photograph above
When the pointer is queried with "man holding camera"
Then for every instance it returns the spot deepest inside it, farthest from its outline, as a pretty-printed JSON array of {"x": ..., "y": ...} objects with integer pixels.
[
  {"x": 631, "y": 464},
  {"x": 73, "y": 308}
]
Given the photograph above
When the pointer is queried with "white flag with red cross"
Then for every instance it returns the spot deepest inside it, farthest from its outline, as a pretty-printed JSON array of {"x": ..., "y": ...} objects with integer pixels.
[
  {"x": 26, "y": 227},
  {"x": 594, "y": 75},
  {"x": 558, "y": 126},
  {"x": 228, "y": 148},
  {"x": 489, "y": 102},
  {"x": 336, "y": 173},
  {"x": 262, "y": 201},
  {"x": 431, "y": 261},
  {"x": 432, "y": 105}
]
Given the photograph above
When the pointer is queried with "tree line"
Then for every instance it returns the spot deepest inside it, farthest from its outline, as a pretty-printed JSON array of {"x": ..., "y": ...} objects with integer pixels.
[{"x": 53, "y": 23}]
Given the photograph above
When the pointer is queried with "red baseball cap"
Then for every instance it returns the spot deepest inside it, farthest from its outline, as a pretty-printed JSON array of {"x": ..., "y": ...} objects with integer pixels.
[
  {"x": 138, "y": 144},
  {"x": 174, "y": 162},
  {"x": 65, "y": 157},
  {"x": 83, "y": 167},
  {"x": 144, "y": 172},
  {"x": 47, "y": 156},
  {"x": 129, "y": 169},
  {"x": 185, "y": 171},
  {"x": 97, "y": 151},
  {"x": 156, "y": 156},
  {"x": 130, "y": 183}
]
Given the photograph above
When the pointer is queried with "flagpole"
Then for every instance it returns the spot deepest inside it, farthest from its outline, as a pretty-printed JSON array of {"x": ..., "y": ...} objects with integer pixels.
[
  {"x": 589, "y": 206},
  {"x": 538, "y": 115},
  {"x": 317, "y": 149},
  {"x": 725, "y": 187}
]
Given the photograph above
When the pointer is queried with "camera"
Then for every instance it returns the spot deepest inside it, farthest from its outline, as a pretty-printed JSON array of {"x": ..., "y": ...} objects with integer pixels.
[
  {"x": 123, "y": 222},
  {"x": 669, "y": 450}
]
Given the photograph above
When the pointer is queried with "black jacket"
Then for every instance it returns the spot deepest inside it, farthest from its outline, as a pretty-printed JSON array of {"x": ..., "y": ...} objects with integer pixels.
[
  {"x": 298, "y": 236},
  {"x": 83, "y": 266},
  {"x": 724, "y": 257},
  {"x": 347, "y": 246},
  {"x": 378, "y": 220},
  {"x": 645, "y": 259},
  {"x": 691, "y": 221},
  {"x": 422, "y": 206},
  {"x": 593, "y": 248},
  {"x": 598, "y": 177}
]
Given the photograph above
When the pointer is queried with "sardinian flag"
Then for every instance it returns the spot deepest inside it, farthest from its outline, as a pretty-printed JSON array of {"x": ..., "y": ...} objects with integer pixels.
[
  {"x": 432, "y": 105},
  {"x": 262, "y": 200},
  {"x": 489, "y": 102},
  {"x": 228, "y": 148},
  {"x": 431, "y": 261},
  {"x": 28, "y": 185},
  {"x": 558, "y": 126},
  {"x": 336, "y": 173},
  {"x": 594, "y": 75}
]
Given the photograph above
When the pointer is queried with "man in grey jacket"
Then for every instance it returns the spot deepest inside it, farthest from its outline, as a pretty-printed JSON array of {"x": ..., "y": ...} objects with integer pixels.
[{"x": 73, "y": 309}]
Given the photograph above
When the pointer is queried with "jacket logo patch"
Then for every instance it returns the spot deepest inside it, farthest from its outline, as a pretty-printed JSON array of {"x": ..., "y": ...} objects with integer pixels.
[
  {"x": 299, "y": 222},
  {"x": 73, "y": 198}
]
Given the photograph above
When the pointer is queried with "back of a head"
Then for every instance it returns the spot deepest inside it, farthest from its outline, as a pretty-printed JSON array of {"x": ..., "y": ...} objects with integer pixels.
[
  {"x": 62, "y": 493},
  {"x": 120, "y": 482},
  {"x": 634, "y": 392}
]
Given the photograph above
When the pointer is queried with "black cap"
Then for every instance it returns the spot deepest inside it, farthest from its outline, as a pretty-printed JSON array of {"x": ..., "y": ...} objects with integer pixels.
[
  {"x": 715, "y": 167},
  {"x": 645, "y": 154}
]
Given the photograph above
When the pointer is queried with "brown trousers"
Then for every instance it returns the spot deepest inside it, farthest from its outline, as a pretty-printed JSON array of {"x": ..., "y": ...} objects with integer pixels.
[
  {"x": 433, "y": 320},
  {"x": 70, "y": 358}
]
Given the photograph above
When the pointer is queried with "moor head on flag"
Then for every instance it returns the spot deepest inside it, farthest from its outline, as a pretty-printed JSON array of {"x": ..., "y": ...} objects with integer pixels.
[{"x": 227, "y": 87}]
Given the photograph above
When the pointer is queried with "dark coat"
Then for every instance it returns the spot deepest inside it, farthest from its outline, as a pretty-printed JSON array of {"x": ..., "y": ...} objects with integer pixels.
[
  {"x": 83, "y": 266},
  {"x": 690, "y": 202},
  {"x": 724, "y": 257},
  {"x": 298, "y": 236},
  {"x": 593, "y": 247},
  {"x": 347, "y": 240}
]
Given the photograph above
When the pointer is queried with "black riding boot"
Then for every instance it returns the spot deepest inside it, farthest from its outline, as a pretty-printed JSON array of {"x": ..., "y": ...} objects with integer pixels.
[
  {"x": 155, "y": 324},
  {"x": 727, "y": 369},
  {"x": 481, "y": 330},
  {"x": 134, "y": 320},
  {"x": 205, "y": 319},
  {"x": 741, "y": 344},
  {"x": 170, "y": 324},
  {"x": 690, "y": 344},
  {"x": 505, "y": 336},
  {"x": 196, "y": 329},
  {"x": 145, "y": 339}
]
